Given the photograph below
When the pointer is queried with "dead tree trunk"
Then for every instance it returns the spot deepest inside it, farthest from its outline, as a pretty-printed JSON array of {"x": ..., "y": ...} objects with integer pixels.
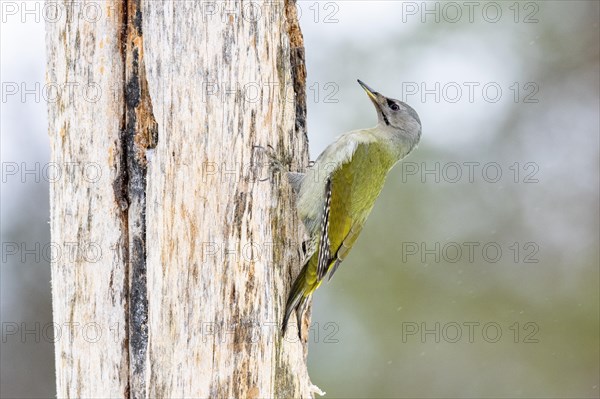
[{"x": 181, "y": 252}]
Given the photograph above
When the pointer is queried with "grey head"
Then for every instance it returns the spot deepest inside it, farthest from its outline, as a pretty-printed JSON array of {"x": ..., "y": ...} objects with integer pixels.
[{"x": 395, "y": 114}]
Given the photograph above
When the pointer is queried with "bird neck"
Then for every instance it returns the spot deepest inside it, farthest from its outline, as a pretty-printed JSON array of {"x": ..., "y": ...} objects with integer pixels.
[{"x": 399, "y": 142}]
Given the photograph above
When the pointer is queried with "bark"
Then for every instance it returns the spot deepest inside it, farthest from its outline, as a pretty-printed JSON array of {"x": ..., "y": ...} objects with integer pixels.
[{"x": 195, "y": 250}]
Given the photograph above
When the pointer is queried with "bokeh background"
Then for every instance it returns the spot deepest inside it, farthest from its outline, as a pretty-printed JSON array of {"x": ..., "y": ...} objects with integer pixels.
[{"x": 464, "y": 283}]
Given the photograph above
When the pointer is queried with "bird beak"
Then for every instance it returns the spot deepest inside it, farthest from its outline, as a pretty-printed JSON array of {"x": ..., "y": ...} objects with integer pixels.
[
  {"x": 373, "y": 95},
  {"x": 370, "y": 92}
]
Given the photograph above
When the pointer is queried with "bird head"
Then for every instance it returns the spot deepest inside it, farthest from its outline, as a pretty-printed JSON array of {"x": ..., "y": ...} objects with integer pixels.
[{"x": 395, "y": 114}]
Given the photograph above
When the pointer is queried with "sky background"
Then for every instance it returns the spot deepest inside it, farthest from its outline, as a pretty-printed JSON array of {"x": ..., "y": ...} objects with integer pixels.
[{"x": 477, "y": 274}]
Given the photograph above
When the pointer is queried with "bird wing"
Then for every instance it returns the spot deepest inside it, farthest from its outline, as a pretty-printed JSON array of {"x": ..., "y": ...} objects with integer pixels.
[
  {"x": 334, "y": 213},
  {"x": 351, "y": 202},
  {"x": 345, "y": 221},
  {"x": 311, "y": 193}
]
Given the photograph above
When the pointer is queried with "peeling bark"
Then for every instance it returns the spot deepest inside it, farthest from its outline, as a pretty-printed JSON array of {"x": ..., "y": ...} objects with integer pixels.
[{"x": 198, "y": 251}]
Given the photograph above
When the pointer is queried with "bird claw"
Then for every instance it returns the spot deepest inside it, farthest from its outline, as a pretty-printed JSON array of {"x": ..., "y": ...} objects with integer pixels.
[{"x": 274, "y": 164}]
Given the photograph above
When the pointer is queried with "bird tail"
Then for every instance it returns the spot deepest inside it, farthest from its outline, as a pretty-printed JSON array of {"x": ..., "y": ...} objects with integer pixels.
[{"x": 297, "y": 300}]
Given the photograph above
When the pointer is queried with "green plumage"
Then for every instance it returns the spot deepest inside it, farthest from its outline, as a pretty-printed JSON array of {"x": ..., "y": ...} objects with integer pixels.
[{"x": 338, "y": 192}]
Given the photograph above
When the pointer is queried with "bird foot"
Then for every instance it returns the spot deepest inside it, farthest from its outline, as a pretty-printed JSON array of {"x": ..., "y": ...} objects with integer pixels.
[{"x": 273, "y": 163}]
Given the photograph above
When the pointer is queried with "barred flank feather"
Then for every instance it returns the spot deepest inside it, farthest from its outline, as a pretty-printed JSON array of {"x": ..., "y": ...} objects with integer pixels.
[{"x": 324, "y": 254}]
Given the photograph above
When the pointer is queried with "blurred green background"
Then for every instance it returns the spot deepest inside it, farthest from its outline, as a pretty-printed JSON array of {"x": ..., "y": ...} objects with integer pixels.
[
  {"x": 400, "y": 301},
  {"x": 412, "y": 312}
]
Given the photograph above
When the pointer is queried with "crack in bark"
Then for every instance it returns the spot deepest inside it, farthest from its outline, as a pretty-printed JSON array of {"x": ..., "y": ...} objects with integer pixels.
[
  {"x": 139, "y": 133},
  {"x": 298, "y": 64}
]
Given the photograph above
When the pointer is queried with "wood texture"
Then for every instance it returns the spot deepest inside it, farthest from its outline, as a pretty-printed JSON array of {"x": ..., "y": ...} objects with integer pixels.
[
  {"x": 198, "y": 248},
  {"x": 88, "y": 291}
]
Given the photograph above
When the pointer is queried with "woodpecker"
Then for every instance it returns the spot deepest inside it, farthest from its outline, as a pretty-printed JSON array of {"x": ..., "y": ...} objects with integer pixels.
[{"x": 336, "y": 194}]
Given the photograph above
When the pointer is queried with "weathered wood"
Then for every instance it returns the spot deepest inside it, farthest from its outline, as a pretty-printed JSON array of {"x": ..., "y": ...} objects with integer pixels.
[
  {"x": 198, "y": 250},
  {"x": 224, "y": 243},
  {"x": 89, "y": 291}
]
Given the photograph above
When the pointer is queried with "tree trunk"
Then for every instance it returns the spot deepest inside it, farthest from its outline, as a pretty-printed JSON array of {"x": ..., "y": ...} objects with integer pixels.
[{"x": 181, "y": 253}]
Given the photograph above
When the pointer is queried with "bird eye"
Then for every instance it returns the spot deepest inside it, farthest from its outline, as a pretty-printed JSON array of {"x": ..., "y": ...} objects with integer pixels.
[{"x": 394, "y": 107}]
